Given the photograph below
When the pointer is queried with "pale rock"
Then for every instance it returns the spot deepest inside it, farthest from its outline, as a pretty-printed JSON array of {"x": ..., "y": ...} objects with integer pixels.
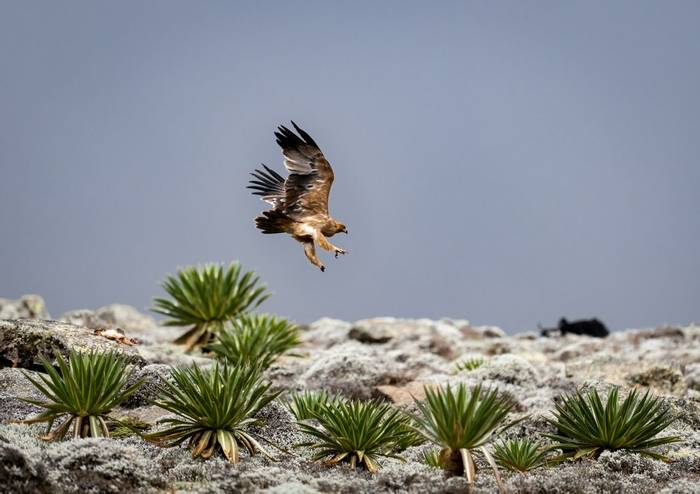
[
  {"x": 23, "y": 342},
  {"x": 26, "y": 307}
]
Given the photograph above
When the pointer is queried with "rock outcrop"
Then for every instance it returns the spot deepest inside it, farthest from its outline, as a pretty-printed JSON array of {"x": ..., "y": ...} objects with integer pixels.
[
  {"x": 381, "y": 358},
  {"x": 24, "y": 341}
]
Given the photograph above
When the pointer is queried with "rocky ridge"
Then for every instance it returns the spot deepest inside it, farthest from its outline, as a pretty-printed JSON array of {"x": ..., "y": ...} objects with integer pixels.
[{"x": 383, "y": 358}]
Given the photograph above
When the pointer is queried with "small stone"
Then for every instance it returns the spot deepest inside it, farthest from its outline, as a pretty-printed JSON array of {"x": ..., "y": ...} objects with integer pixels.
[
  {"x": 489, "y": 331},
  {"x": 403, "y": 395},
  {"x": 372, "y": 333}
]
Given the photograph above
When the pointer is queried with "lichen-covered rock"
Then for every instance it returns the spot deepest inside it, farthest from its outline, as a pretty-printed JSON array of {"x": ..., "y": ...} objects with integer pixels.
[
  {"x": 278, "y": 427},
  {"x": 119, "y": 316},
  {"x": 19, "y": 474},
  {"x": 326, "y": 332},
  {"x": 13, "y": 387},
  {"x": 443, "y": 338},
  {"x": 392, "y": 361},
  {"x": 692, "y": 376},
  {"x": 27, "y": 307},
  {"x": 150, "y": 377},
  {"x": 373, "y": 331},
  {"x": 661, "y": 378},
  {"x": 489, "y": 331},
  {"x": 97, "y": 466},
  {"x": 579, "y": 346},
  {"x": 353, "y": 370},
  {"x": 507, "y": 369},
  {"x": 23, "y": 341}
]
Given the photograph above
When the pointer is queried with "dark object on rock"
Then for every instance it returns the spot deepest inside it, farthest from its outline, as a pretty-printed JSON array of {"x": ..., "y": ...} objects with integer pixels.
[
  {"x": 23, "y": 341},
  {"x": 376, "y": 336},
  {"x": 585, "y": 327}
]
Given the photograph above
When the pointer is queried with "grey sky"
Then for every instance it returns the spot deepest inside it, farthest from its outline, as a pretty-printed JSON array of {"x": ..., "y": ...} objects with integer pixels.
[{"x": 504, "y": 162}]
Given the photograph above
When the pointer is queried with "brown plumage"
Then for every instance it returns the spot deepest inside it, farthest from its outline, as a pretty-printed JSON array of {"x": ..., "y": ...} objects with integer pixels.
[{"x": 299, "y": 203}]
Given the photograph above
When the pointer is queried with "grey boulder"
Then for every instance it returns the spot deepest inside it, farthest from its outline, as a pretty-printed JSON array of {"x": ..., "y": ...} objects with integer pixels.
[{"x": 23, "y": 341}]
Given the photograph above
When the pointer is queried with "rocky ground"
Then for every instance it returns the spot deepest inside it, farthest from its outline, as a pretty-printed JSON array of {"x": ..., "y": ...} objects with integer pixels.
[{"x": 382, "y": 358}]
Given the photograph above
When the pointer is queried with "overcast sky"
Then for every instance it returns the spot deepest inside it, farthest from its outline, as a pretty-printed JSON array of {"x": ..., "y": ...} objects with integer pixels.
[{"x": 503, "y": 162}]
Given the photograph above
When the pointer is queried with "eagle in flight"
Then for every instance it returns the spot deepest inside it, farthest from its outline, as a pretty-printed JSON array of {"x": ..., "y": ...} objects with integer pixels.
[{"x": 299, "y": 203}]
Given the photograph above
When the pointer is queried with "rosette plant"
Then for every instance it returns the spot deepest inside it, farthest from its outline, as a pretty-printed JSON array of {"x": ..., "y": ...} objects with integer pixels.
[
  {"x": 519, "y": 455},
  {"x": 81, "y": 393},
  {"x": 205, "y": 298},
  {"x": 255, "y": 339},
  {"x": 586, "y": 427},
  {"x": 309, "y": 403},
  {"x": 356, "y": 432},
  {"x": 214, "y": 410},
  {"x": 462, "y": 422}
]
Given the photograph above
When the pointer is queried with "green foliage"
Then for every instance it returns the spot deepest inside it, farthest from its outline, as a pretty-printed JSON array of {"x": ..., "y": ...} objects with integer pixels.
[
  {"x": 206, "y": 298},
  {"x": 358, "y": 432},
  {"x": 309, "y": 404},
  {"x": 306, "y": 405},
  {"x": 519, "y": 455},
  {"x": 256, "y": 339},
  {"x": 586, "y": 427},
  {"x": 127, "y": 426},
  {"x": 432, "y": 458},
  {"x": 470, "y": 364},
  {"x": 214, "y": 408},
  {"x": 410, "y": 436},
  {"x": 81, "y": 392},
  {"x": 461, "y": 421}
]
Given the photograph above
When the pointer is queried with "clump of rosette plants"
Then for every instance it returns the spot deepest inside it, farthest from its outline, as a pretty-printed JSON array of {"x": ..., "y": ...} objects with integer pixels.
[
  {"x": 81, "y": 393},
  {"x": 353, "y": 431},
  {"x": 206, "y": 298},
  {"x": 214, "y": 408},
  {"x": 586, "y": 427},
  {"x": 519, "y": 455},
  {"x": 256, "y": 339},
  {"x": 463, "y": 422}
]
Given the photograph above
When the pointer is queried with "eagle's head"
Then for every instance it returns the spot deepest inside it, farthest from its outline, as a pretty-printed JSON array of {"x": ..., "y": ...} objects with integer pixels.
[{"x": 336, "y": 227}]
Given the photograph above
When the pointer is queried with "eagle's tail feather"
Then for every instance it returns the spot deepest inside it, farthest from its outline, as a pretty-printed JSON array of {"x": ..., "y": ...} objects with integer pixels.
[{"x": 272, "y": 221}]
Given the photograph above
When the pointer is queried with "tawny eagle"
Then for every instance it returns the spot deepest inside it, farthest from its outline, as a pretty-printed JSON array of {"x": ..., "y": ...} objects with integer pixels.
[{"x": 299, "y": 203}]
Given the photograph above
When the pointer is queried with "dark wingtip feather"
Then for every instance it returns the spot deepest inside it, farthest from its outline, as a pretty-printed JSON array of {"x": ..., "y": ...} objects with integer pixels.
[
  {"x": 303, "y": 134},
  {"x": 288, "y": 139},
  {"x": 270, "y": 183},
  {"x": 273, "y": 173}
]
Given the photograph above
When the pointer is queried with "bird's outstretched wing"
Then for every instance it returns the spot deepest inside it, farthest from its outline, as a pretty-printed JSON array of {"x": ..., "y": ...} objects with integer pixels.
[
  {"x": 270, "y": 186},
  {"x": 310, "y": 175}
]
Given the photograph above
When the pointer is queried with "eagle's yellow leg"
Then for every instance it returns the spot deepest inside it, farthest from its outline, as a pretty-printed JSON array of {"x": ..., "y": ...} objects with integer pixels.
[
  {"x": 310, "y": 252},
  {"x": 325, "y": 244}
]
